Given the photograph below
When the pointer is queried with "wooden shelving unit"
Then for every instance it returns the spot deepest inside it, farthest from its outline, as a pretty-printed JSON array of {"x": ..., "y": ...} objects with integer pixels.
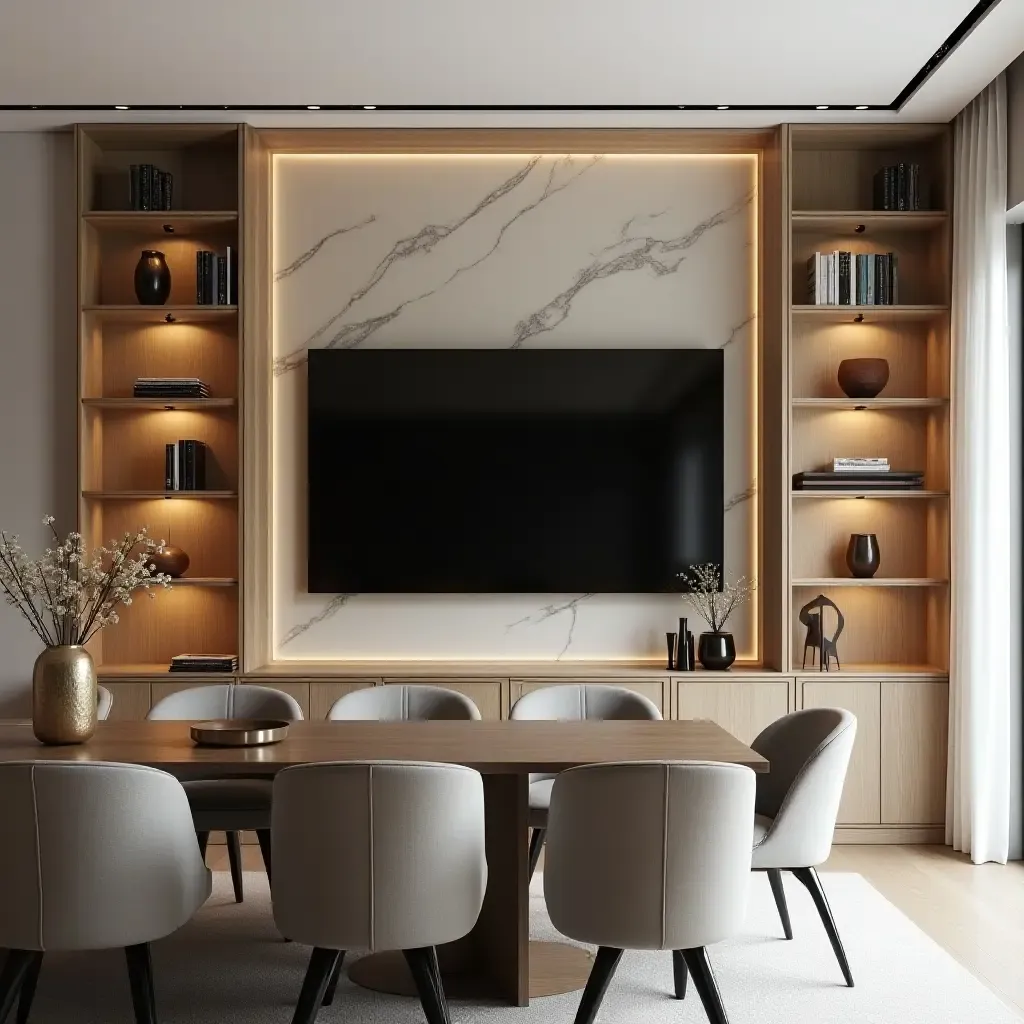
[{"x": 121, "y": 437}]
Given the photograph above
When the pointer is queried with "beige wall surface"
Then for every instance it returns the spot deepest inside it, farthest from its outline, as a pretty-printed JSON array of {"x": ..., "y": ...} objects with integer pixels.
[{"x": 38, "y": 364}]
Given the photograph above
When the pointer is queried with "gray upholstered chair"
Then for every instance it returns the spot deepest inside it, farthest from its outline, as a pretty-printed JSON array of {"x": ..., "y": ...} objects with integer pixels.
[
  {"x": 236, "y": 804},
  {"x": 94, "y": 856},
  {"x": 797, "y": 805},
  {"x": 377, "y": 856},
  {"x": 650, "y": 855},
  {"x": 104, "y": 702},
  {"x": 398, "y": 702},
  {"x": 572, "y": 702}
]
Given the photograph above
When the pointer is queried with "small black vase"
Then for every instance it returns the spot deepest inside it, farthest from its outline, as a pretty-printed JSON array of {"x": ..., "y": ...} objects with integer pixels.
[
  {"x": 863, "y": 556},
  {"x": 716, "y": 651},
  {"x": 152, "y": 278}
]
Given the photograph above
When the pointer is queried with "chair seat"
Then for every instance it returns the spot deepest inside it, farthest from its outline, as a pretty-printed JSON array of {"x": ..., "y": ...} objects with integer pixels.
[
  {"x": 540, "y": 801},
  {"x": 229, "y": 804}
]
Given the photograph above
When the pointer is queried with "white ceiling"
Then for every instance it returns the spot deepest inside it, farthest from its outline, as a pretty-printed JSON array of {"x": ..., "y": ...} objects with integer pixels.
[{"x": 480, "y": 52}]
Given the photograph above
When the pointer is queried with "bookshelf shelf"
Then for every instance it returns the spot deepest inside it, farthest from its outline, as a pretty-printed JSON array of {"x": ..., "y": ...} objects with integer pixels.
[
  {"x": 204, "y": 581},
  {"x": 874, "y": 581},
  {"x": 871, "y": 221},
  {"x": 124, "y": 313},
  {"x": 869, "y": 314},
  {"x": 875, "y": 670},
  {"x": 167, "y": 495},
  {"x": 870, "y": 403},
  {"x": 153, "y": 222},
  {"x": 157, "y": 672},
  {"x": 885, "y": 495},
  {"x": 160, "y": 404}
]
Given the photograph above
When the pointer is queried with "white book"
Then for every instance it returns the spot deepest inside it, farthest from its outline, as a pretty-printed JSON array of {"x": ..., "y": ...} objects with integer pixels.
[
  {"x": 849, "y": 460},
  {"x": 860, "y": 469}
]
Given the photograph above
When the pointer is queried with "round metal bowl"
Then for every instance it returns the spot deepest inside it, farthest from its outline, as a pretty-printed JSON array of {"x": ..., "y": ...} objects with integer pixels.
[{"x": 239, "y": 732}]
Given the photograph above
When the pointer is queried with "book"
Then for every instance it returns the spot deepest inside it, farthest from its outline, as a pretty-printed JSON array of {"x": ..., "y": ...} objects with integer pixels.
[
  {"x": 145, "y": 186},
  {"x": 170, "y": 456},
  {"x": 222, "y": 280},
  {"x": 231, "y": 256},
  {"x": 843, "y": 279}
]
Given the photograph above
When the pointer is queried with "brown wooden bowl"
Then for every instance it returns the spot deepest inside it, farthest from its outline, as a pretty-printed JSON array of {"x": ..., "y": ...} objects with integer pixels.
[{"x": 864, "y": 377}]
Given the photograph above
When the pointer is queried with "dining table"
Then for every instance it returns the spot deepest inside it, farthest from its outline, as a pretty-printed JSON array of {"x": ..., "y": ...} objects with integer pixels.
[{"x": 496, "y": 961}]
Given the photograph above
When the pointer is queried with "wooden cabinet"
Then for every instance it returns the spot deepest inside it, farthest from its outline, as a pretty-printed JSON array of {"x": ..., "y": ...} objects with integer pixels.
[
  {"x": 322, "y": 695},
  {"x": 131, "y": 700},
  {"x": 915, "y": 721},
  {"x": 656, "y": 690},
  {"x": 743, "y": 708},
  {"x": 861, "y": 803},
  {"x": 487, "y": 694}
]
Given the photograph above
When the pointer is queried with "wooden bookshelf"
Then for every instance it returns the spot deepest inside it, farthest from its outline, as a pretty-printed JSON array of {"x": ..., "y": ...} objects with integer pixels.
[{"x": 122, "y": 438}]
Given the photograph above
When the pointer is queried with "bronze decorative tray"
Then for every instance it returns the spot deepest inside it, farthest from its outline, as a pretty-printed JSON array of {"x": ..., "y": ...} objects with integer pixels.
[{"x": 239, "y": 732}]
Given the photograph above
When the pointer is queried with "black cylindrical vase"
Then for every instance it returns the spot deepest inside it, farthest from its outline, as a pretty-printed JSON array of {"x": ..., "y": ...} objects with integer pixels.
[
  {"x": 152, "y": 278},
  {"x": 863, "y": 556},
  {"x": 716, "y": 651}
]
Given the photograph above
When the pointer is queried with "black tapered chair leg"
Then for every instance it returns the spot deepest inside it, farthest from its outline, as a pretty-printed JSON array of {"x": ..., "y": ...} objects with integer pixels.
[
  {"x": 203, "y": 838},
  {"x": 332, "y": 985},
  {"x": 775, "y": 880},
  {"x": 263, "y": 835},
  {"x": 808, "y": 877},
  {"x": 140, "y": 979},
  {"x": 314, "y": 986},
  {"x": 601, "y": 973},
  {"x": 28, "y": 987},
  {"x": 679, "y": 973},
  {"x": 16, "y": 966},
  {"x": 235, "y": 861},
  {"x": 435, "y": 976},
  {"x": 704, "y": 982},
  {"x": 432, "y": 997},
  {"x": 536, "y": 845}
]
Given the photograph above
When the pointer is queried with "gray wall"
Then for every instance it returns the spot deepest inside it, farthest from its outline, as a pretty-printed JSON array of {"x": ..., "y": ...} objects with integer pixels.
[
  {"x": 38, "y": 364},
  {"x": 1015, "y": 140}
]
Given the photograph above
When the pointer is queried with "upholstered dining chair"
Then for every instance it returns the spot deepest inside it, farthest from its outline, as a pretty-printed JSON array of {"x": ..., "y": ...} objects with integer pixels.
[
  {"x": 236, "y": 804},
  {"x": 94, "y": 856},
  {"x": 798, "y": 803},
  {"x": 572, "y": 702},
  {"x": 104, "y": 702},
  {"x": 379, "y": 855},
  {"x": 650, "y": 855},
  {"x": 397, "y": 702}
]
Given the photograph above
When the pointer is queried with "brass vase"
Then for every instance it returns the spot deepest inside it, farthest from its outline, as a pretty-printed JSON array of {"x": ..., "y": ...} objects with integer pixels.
[{"x": 64, "y": 695}]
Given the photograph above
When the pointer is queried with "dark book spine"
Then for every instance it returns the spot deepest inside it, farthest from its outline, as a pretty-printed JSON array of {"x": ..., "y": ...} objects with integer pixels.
[
  {"x": 169, "y": 467},
  {"x": 179, "y": 456},
  {"x": 894, "y": 279},
  {"x": 199, "y": 466},
  {"x": 210, "y": 284},
  {"x": 190, "y": 465},
  {"x": 222, "y": 280},
  {"x": 901, "y": 187},
  {"x": 134, "y": 199},
  {"x": 146, "y": 187},
  {"x": 199, "y": 277},
  {"x": 893, "y": 189},
  {"x": 844, "y": 279},
  {"x": 168, "y": 190}
]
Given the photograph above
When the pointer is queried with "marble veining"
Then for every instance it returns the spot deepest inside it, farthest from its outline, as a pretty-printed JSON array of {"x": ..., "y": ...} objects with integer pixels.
[
  {"x": 333, "y": 606},
  {"x": 740, "y": 497},
  {"x": 571, "y": 606},
  {"x": 302, "y": 260}
]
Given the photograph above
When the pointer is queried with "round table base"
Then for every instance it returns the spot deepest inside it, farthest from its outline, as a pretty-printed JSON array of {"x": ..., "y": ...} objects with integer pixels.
[{"x": 555, "y": 967}]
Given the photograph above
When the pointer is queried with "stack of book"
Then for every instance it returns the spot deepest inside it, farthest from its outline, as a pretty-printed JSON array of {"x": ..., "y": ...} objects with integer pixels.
[
  {"x": 149, "y": 188},
  {"x": 170, "y": 387},
  {"x": 216, "y": 278},
  {"x": 848, "y": 464},
  {"x": 185, "y": 466},
  {"x": 204, "y": 663},
  {"x": 853, "y": 279},
  {"x": 898, "y": 187},
  {"x": 859, "y": 475}
]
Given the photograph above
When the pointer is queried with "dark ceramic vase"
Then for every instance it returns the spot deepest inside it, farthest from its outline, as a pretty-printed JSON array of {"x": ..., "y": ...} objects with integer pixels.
[
  {"x": 863, "y": 378},
  {"x": 170, "y": 560},
  {"x": 152, "y": 278},
  {"x": 863, "y": 556},
  {"x": 716, "y": 651}
]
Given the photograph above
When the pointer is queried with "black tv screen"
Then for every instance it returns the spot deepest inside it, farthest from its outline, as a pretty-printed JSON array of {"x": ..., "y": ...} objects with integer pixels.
[{"x": 502, "y": 471}]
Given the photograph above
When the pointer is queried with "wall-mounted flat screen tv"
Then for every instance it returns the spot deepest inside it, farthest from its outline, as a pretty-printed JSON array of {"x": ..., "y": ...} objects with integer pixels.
[{"x": 511, "y": 471}]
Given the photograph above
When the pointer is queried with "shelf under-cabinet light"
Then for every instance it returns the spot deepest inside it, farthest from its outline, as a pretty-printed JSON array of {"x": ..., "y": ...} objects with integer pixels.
[
  {"x": 859, "y": 408},
  {"x": 859, "y": 318},
  {"x": 861, "y": 106},
  {"x": 169, "y": 229},
  {"x": 170, "y": 318}
]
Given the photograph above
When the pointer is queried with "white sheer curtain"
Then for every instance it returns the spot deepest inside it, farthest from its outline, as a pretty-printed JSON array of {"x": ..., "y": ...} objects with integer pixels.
[{"x": 979, "y": 801}]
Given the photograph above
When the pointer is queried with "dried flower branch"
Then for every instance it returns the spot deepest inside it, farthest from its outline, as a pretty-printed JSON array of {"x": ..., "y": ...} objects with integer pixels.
[
  {"x": 68, "y": 595},
  {"x": 716, "y": 601}
]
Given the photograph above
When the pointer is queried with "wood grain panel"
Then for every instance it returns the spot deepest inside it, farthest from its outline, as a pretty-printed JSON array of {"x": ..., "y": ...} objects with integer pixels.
[
  {"x": 487, "y": 694},
  {"x": 861, "y": 803},
  {"x": 132, "y": 701},
  {"x": 742, "y": 709},
  {"x": 657, "y": 690},
  {"x": 915, "y": 720},
  {"x": 323, "y": 694}
]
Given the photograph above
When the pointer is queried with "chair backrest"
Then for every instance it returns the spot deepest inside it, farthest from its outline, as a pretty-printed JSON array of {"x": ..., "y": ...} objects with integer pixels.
[
  {"x": 809, "y": 752},
  {"x": 104, "y": 702},
  {"x": 378, "y": 855},
  {"x": 226, "y": 700},
  {"x": 649, "y": 854},
  {"x": 398, "y": 702},
  {"x": 94, "y": 856},
  {"x": 579, "y": 702}
]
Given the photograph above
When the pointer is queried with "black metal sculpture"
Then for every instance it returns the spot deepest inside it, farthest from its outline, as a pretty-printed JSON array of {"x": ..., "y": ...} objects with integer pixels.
[{"x": 815, "y": 638}]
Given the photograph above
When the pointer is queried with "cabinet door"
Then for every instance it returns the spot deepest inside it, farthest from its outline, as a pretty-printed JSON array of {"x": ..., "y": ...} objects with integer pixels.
[
  {"x": 915, "y": 720},
  {"x": 486, "y": 694},
  {"x": 861, "y": 803},
  {"x": 655, "y": 690},
  {"x": 741, "y": 708},
  {"x": 131, "y": 701},
  {"x": 322, "y": 695}
]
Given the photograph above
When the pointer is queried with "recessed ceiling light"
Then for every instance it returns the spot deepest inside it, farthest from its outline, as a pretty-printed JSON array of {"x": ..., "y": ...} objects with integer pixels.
[
  {"x": 119, "y": 107},
  {"x": 369, "y": 106},
  {"x": 681, "y": 107},
  {"x": 312, "y": 106},
  {"x": 822, "y": 106},
  {"x": 863, "y": 106},
  {"x": 724, "y": 107}
]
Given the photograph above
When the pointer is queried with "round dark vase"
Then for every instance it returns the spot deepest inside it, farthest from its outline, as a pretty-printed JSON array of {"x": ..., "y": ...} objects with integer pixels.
[
  {"x": 716, "y": 651},
  {"x": 152, "y": 278},
  {"x": 170, "y": 560},
  {"x": 863, "y": 378},
  {"x": 863, "y": 556}
]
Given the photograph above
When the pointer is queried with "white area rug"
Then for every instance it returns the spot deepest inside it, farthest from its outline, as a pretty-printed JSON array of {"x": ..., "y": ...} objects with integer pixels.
[{"x": 229, "y": 966}]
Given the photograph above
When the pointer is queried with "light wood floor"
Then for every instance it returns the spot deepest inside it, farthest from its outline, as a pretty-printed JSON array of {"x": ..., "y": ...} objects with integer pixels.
[{"x": 976, "y": 913}]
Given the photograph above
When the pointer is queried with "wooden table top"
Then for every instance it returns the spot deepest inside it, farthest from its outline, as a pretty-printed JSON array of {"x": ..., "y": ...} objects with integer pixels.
[{"x": 490, "y": 747}]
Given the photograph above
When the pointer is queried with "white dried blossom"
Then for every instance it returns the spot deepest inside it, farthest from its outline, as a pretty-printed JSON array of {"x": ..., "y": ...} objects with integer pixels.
[{"x": 713, "y": 600}]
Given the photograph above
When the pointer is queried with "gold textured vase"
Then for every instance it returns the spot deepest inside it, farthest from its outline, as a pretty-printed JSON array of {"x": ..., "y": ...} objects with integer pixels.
[{"x": 64, "y": 695}]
